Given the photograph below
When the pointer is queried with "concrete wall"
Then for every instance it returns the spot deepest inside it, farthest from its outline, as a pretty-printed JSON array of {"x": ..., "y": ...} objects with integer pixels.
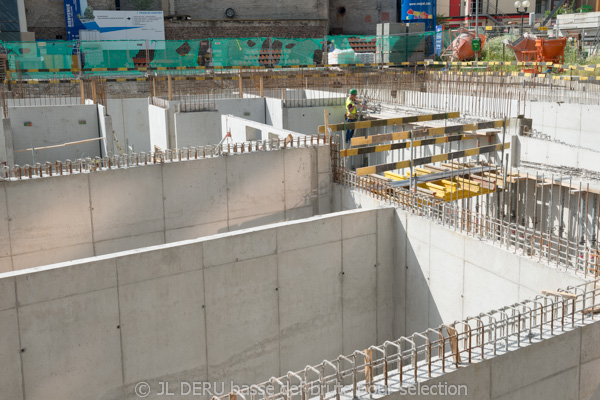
[
  {"x": 274, "y": 112},
  {"x": 52, "y": 125},
  {"x": 544, "y": 151},
  {"x": 307, "y": 119},
  {"x": 198, "y": 128},
  {"x": 358, "y": 17},
  {"x": 444, "y": 276},
  {"x": 130, "y": 120},
  {"x": 243, "y": 130},
  {"x": 242, "y": 306},
  {"x": 571, "y": 134},
  {"x": 107, "y": 144},
  {"x": 159, "y": 127},
  {"x": 104, "y": 212},
  {"x": 7, "y": 155},
  {"x": 204, "y": 128},
  {"x": 564, "y": 367}
]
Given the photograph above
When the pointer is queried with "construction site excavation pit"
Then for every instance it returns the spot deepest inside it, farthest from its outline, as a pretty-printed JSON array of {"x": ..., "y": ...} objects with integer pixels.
[{"x": 232, "y": 238}]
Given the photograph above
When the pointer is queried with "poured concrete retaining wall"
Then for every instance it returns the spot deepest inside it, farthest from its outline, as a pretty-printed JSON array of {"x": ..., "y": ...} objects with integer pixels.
[
  {"x": 238, "y": 307},
  {"x": 556, "y": 153},
  {"x": 204, "y": 127},
  {"x": 103, "y": 212},
  {"x": 41, "y": 126},
  {"x": 131, "y": 124},
  {"x": 442, "y": 276}
]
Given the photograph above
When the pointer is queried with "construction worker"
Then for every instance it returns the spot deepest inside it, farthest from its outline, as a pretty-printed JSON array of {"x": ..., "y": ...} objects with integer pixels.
[{"x": 351, "y": 115}]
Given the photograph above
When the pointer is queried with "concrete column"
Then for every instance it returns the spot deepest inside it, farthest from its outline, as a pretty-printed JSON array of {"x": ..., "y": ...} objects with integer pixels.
[{"x": 22, "y": 16}]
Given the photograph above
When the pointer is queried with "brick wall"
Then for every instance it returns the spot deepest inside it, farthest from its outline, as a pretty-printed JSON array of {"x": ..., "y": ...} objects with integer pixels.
[
  {"x": 183, "y": 30},
  {"x": 251, "y": 28}
]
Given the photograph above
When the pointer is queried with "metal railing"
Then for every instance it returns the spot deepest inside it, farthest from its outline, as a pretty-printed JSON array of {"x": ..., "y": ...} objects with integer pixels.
[{"x": 87, "y": 165}]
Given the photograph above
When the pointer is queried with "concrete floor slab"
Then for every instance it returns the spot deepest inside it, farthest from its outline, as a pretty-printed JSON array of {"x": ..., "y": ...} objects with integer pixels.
[
  {"x": 66, "y": 281},
  {"x": 163, "y": 331},
  {"x": 127, "y": 202},
  {"x": 10, "y": 359},
  {"x": 72, "y": 346},
  {"x": 242, "y": 320},
  {"x": 247, "y": 245},
  {"x": 63, "y": 221},
  {"x": 245, "y": 196},
  {"x": 195, "y": 193},
  {"x": 359, "y": 292},
  {"x": 145, "y": 265},
  {"x": 309, "y": 233}
]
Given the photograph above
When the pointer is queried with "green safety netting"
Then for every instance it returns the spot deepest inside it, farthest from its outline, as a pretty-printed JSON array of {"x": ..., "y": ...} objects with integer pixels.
[
  {"x": 41, "y": 55},
  {"x": 266, "y": 52},
  {"x": 300, "y": 51},
  {"x": 403, "y": 48},
  {"x": 175, "y": 53},
  {"x": 236, "y": 52},
  {"x": 230, "y": 52},
  {"x": 111, "y": 53}
]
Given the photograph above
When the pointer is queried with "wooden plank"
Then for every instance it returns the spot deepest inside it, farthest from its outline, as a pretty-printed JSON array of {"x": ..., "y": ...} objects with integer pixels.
[
  {"x": 570, "y": 296},
  {"x": 592, "y": 310},
  {"x": 388, "y": 121},
  {"x": 573, "y": 187},
  {"x": 369, "y": 369}
]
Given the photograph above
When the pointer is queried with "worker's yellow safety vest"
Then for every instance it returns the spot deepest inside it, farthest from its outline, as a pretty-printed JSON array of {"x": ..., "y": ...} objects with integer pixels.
[{"x": 350, "y": 114}]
